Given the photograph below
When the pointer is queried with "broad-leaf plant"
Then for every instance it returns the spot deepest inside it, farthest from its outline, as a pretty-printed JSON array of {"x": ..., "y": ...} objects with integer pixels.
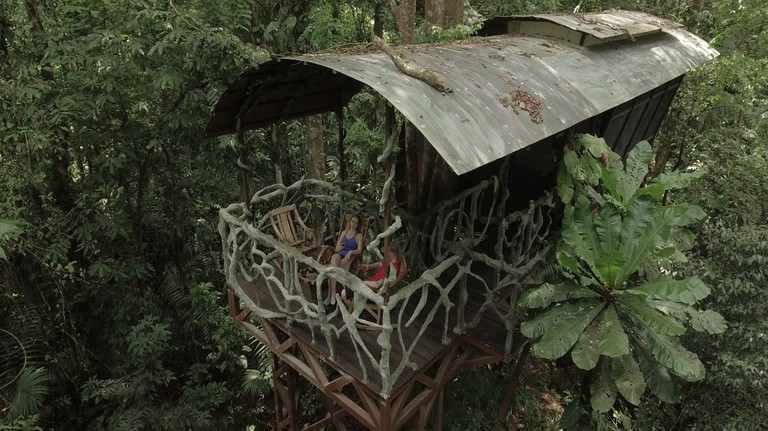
[{"x": 619, "y": 310}]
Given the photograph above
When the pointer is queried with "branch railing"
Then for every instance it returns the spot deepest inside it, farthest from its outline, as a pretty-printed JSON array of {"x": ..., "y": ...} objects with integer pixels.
[{"x": 466, "y": 246}]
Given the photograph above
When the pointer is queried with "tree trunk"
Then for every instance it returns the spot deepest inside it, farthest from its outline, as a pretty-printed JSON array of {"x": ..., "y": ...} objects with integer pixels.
[
  {"x": 59, "y": 176},
  {"x": 378, "y": 19},
  {"x": 252, "y": 35},
  {"x": 277, "y": 158},
  {"x": 315, "y": 147},
  {"x": 444, "y": 13},
  {"x": 405, "y": 15}
]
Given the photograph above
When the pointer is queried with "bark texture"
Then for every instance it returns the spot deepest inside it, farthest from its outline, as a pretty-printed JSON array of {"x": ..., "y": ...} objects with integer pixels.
[
  {"x": 315, "y": 147},
  {"x": 444, "y": 13},
  {"x": 405, "y": 15}
]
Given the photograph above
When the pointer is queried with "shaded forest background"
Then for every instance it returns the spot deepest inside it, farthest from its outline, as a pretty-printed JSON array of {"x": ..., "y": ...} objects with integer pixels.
[{"x": 111, "y": 315}]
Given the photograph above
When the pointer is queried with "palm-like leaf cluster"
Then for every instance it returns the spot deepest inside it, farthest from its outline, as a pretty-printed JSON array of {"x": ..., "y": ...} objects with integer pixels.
[{"x": 618, "y": 314}]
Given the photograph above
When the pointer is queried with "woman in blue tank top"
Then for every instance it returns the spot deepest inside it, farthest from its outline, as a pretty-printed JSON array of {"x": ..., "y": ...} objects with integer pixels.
[{"x": 349, "y": 245}]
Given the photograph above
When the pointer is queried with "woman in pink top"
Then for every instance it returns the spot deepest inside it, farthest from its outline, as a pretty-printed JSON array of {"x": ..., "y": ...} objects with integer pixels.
[{"x": 375, "y": 281}]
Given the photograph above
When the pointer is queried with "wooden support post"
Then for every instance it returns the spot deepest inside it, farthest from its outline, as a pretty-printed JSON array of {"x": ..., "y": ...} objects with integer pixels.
[
  {"x": 385, "y": 419},
  {"x": 285, "y": 386},
  {"x": 234, "y": 303},
  {"x": 506, "y": 403}
]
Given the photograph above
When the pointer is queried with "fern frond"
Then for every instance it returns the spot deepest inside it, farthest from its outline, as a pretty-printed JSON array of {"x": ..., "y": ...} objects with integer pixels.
[{"x": 31, "y": 390}]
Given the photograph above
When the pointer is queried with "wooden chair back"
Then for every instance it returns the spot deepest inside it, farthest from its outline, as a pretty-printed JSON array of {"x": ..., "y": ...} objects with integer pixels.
[{"x": 290, "y": 228}]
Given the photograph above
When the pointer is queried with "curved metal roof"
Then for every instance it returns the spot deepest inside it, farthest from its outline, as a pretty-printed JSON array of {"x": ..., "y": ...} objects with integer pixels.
[{"x": 508, "y": 91}]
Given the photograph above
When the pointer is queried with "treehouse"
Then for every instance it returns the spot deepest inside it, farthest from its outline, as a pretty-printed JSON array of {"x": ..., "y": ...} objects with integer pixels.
[{"x": 466, "y": 199}]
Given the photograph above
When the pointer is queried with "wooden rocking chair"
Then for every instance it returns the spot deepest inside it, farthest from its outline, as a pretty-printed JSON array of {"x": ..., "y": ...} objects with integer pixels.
[{"x": 292, "y": 230}]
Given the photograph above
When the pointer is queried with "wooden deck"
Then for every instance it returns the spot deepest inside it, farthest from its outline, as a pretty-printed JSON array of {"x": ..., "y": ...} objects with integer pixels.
[{"x": 488, "y": 336}]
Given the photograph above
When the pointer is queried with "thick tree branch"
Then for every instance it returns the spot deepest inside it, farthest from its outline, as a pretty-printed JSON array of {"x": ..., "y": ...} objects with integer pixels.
[{"x": 425, "y": 75}]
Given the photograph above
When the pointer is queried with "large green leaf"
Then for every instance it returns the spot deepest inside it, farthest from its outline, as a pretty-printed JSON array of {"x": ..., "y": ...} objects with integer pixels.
[
  {"x": 658, "y": 379},
  {"x": 689, "y": 214},
  {"x": 638, "y": 308},
  {"x": 688, "y": 290},
  {"x": 678, "y": 310},
  {"x": 613, "y": 340},
  {"x": 585, "y": 353},
  {"x": 579, "y": 232},
  {"x": 542, "y": 323},
  {"x": 574, "y": 165},
  {"x": 635, "y": 170},
  {"x": 31, "y": 390},
  {"x": 546, "y": 294},
  {"x": 644, "y": 230},
  {"x": 668, "y": 352},
  {"x": 609, "y": 266},
  {"x": 683, "y": 239},
  {"x": 594, "y": 145},
  {"x": 563, "y": 335},
  {"x": 593, "y": 171},
  {"x": 628, "y": 378},
  {"x": 636, "y": 221},
  {"x": 564, "y": 185},
  {"x": 708, "y": 321},
  {"x": 603, "y": 389},
  {"x": 8, "y": 229},
  {"x": 608, "y": 227},
  {"x": 669, "y": 181},
  {"x": 611, "y": 175},
  {"x": 568, "y": 261},
  {"x": 571, "y": 417}
]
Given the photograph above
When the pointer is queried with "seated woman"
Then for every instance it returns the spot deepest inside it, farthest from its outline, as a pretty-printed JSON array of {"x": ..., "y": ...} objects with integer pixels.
[
  {"x": 349, "y": 245},
  {"x": 376, "y": 280}
]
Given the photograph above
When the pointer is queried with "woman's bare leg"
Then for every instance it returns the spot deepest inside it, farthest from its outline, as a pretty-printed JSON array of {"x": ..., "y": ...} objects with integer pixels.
[{"x": 331, "y": 298}]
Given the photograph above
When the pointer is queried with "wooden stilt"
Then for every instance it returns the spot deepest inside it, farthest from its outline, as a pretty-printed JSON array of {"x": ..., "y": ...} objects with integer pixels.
[{"x": 417, "y": 404}]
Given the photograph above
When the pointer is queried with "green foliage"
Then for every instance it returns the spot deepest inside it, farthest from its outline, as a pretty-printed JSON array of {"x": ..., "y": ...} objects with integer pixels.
[
  {"x": 719, "y": 120},
  {"x": 427, "y": 32},
  {"x": 733, "y": 261},
  {"x": 472, "y": 401},
  {"x": 103, "y": 167},
  {"x": 9, "y": 230},
  {"x": 138, "y": 397},
  {"x": 21, "y": 424},
  {"x": 333, "y": 25},
  {"x": 620, "y": 324},
  {"x": 31, "y": 388}
]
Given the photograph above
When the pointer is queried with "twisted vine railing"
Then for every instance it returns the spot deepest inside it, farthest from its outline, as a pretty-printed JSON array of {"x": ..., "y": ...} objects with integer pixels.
[{"x": 467, "y": 245}]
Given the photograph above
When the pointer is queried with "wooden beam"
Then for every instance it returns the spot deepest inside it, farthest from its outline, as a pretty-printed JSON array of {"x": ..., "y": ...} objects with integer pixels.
[
  {"x": 314, "y": 365},
  {"x": 354, "y": 410},
  {"x": 337, "y": 384}
]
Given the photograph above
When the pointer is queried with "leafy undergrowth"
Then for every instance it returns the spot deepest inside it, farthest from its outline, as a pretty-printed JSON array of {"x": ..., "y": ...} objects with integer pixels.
[{"x": 473, "y": 399}]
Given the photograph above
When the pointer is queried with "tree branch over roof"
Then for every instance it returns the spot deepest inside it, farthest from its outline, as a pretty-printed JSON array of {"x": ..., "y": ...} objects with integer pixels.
[{"x": 427, "y": 76}]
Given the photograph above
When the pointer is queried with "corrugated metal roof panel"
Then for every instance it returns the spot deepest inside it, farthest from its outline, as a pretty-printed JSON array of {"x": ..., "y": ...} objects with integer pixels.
[{"x": 497, "y": 84}]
